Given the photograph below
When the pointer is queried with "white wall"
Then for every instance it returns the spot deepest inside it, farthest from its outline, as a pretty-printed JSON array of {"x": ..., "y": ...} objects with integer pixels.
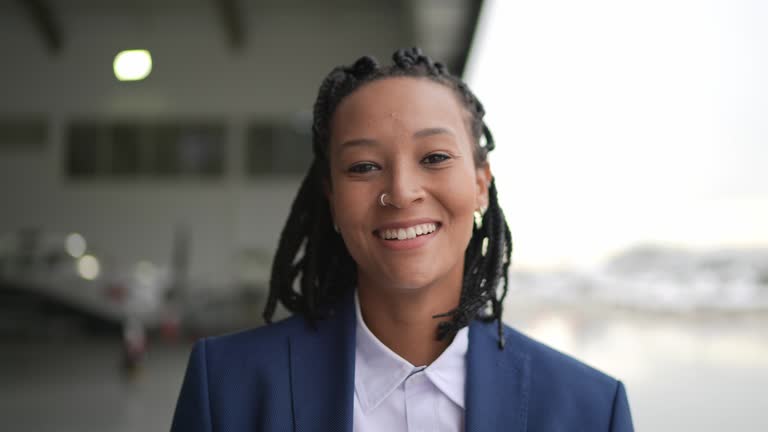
[{"x": 287, "y": 53}]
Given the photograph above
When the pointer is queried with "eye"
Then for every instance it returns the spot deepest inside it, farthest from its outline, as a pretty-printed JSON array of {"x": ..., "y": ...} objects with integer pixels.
[
  {"x": 435, "y": 158},
  {"x": 362, "y": 167}
]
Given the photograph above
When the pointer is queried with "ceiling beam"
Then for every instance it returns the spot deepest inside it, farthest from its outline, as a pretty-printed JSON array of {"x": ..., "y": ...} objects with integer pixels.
[
  {"x": 408, "y": 19},
  {"x": 470, "y": 28},
  {"x": 231, "y": 19},
  {"x": 41, "y": 15}
]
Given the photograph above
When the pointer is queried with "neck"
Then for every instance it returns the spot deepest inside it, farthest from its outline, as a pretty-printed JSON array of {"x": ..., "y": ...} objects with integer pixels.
[{"x": 402, "y": 319}]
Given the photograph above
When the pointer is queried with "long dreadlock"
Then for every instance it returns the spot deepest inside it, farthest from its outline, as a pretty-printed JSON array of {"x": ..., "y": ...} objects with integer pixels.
[{"x": 313, "y": 256}]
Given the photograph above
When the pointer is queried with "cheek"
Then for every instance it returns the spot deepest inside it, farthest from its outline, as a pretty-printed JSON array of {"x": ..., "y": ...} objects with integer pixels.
[
  {"x": 458, "y": 199},
  {"x": 342, "y": 195},
  {"x": 460, "y": 196},
  {"x": 351, "y": 206}
]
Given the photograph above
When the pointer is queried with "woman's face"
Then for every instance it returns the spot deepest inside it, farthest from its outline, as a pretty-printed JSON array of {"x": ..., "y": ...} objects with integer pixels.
[{"x": 409, "y": 138}]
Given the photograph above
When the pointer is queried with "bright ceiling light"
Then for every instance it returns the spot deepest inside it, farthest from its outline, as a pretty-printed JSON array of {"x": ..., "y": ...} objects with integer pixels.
[
  {"x": 88, "y": 267},
  {"x": 132, "y": 65},
  {"x": 75, "y": 245}
]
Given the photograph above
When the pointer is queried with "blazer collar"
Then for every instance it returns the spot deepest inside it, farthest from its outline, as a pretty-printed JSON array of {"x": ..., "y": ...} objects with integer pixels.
[
  {"x": 322, "y": 365},
  {"x": 498, "y": 382}
]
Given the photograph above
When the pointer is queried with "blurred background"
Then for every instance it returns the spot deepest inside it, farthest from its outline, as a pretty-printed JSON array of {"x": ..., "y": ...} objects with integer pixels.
[{"x": 150, "y": 150}]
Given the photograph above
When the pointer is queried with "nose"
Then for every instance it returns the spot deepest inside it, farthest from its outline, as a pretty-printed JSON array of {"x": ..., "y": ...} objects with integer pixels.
[{"x": 405, "y": 187}]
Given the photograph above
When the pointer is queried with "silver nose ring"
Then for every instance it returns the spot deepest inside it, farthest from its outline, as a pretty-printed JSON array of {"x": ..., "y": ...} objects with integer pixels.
[{"x": 381, "y": 200}]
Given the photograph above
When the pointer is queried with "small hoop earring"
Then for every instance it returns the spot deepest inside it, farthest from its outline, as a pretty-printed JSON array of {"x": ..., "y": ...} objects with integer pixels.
[
  {"x": 381, "y": 200},
  {"x": 336, "y": 228}
]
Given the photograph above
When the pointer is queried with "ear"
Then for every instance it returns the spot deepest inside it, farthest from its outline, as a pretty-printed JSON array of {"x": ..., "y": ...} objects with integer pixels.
[{"x": 483, "y": 178}]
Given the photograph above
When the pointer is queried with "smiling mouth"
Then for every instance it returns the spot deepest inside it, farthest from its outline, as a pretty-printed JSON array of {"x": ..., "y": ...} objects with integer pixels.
[{"x": 407, "y": 233}]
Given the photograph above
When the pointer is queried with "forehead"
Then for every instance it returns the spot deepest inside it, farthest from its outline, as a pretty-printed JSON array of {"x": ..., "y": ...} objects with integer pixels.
[{"x": 408, "y": 103}]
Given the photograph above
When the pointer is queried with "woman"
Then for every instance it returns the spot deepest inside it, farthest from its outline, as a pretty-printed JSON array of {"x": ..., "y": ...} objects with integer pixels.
[{"x": 393, "y": 260}]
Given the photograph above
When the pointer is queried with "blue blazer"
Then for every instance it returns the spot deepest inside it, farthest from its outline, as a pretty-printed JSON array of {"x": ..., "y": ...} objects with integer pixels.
[{"x": 290, "y": 377}]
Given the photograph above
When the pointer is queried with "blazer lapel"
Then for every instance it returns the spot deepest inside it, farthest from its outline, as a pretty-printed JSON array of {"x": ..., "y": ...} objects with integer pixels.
[
  {"x": 322, "y": 364},
  {"x": 498, "y": 383}
]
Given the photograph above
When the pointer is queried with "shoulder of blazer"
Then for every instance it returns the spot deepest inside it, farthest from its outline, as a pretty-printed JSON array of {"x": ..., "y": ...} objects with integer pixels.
[
  {"x": 583, "y": 397},
  {"x": 239, "y": 381},
  {"x": 255, "y": 348},
  {"x": 282, "y": 376},
  {"x": 270, "y": 334},
  {"x": 554, "y": 363},
  {"x": 256, "y": 356}
]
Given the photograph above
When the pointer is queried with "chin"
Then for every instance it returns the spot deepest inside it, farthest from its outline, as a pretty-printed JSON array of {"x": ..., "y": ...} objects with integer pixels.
[
  {"x": 410, "y": 286},
  {"x": 411, "y": 281}
]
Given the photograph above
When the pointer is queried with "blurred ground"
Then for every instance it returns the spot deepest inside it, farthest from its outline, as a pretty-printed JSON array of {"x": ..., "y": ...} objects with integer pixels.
[
  {"x": 75, "y": 384},
  {"x": 698, "y": 372},
  {"x": 683, "y": 371}
]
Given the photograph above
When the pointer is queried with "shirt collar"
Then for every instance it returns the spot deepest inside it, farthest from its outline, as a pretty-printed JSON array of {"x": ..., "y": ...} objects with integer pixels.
[{"x": 379, "y": 370}]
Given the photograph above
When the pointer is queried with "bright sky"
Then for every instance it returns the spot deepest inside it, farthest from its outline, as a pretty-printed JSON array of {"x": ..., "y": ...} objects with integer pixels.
[{"x": 623, "y": 122}]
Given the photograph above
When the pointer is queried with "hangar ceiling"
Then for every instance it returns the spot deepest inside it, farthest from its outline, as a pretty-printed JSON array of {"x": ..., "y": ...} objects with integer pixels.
[{"x": 443, "y": 28}]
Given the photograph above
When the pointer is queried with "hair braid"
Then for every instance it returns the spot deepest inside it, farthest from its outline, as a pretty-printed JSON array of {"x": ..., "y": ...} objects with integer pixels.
[{"x": 310, "y": 251}]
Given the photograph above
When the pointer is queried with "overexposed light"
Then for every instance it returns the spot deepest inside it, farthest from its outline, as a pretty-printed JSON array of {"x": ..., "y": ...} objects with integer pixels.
[
  {"x": 554, "y": 330},
  {"x": 75, "y": 245},
  {"x": 618, "y": 123},
  {"x": 132, "y": 65},
  {"x": 88, "y": 267},
  {"x": 625, "y": 350}
]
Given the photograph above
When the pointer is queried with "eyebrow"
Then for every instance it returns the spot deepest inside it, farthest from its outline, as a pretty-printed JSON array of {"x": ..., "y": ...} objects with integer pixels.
[
  {"x": 418, "y": 134},
  {"x": 357, "y": 142},
  {"x": 433, "y": 131}
]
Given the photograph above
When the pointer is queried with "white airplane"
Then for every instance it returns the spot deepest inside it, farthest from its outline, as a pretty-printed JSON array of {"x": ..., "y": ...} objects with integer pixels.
[{"x": 63, "y": 268}]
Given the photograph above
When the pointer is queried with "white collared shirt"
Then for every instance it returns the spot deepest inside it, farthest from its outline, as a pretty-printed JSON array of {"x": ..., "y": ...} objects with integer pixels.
[{"x": 393, "y": 395}]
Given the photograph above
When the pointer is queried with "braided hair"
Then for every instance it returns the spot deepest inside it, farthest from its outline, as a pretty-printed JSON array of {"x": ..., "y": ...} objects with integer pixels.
[{"x": 312, "y": 267}]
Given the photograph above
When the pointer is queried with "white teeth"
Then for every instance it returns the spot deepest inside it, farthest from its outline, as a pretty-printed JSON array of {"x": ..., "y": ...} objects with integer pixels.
[
  {"x": 407, "y": 233},
  {"x": 411, "y": 233}
]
